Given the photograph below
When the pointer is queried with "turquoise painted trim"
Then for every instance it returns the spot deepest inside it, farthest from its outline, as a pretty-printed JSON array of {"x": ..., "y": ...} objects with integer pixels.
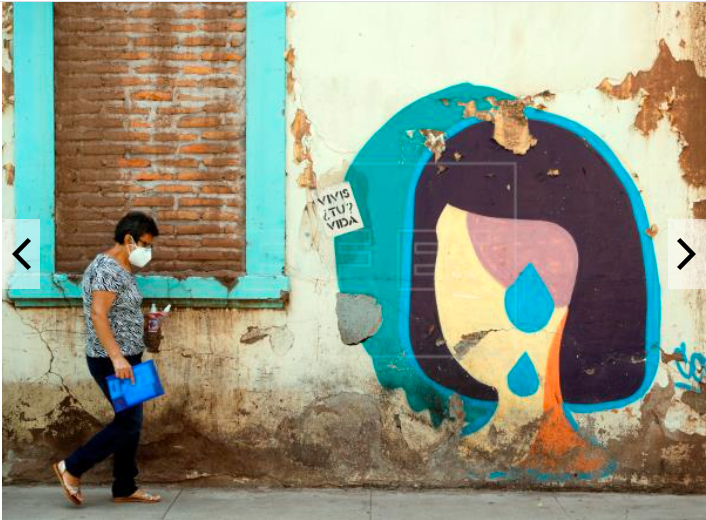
[
  {"x": 265, "y": 138},
  {"x": 34, "y": 121},
  {"x": 264, "y": 284},
  {"x": 187, "y": 291}
]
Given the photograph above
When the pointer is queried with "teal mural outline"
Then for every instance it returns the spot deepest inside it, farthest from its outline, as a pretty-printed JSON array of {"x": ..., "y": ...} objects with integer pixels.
[
  {"x": 370, "y": 262},
  {"x": 264, "y": 283}
]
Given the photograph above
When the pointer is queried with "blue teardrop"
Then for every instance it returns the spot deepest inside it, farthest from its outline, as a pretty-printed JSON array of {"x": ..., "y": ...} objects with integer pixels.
[
  {"x": 523, "y": 379},
  {"x": 528, "y": 303}
]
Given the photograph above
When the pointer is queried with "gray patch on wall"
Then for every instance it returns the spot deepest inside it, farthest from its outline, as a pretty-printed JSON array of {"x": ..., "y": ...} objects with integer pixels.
[{"x": 359, "y": 317}]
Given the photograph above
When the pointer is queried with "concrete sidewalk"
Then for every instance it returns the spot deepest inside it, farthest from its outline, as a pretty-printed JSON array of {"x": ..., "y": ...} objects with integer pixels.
[{"x": 47, "y": 503}]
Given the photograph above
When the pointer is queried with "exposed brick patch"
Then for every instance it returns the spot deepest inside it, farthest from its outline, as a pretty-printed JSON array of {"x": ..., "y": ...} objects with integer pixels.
[{"x": 150, "y": 115}]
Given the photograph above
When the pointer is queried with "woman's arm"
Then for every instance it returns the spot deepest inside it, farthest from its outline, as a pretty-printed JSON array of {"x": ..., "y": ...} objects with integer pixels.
[{"x": 100, "y": 307}]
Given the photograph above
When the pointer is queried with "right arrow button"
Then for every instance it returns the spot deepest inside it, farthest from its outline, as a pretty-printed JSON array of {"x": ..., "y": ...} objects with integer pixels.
[{"x": 689, "y": 256}]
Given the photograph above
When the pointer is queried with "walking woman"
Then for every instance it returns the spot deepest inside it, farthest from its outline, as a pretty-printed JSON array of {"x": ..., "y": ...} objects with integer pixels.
[{"x": 114, "y": 343}]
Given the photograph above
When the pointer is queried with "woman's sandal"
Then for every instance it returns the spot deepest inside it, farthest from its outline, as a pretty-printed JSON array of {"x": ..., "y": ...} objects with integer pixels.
[
  {"x": 72, "y": 493},
  {"x": 138, "y": 496}
]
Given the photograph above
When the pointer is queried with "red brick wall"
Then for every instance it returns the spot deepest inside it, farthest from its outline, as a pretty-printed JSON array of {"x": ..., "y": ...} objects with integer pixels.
[{"x": 150, "y": 115}]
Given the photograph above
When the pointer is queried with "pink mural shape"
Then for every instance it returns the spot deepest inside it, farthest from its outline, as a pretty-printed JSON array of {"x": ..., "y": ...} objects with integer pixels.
[{"x": 506, "y": 246}]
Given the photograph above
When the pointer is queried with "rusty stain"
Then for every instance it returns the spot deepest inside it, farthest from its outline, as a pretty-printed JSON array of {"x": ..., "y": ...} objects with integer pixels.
[
  {"x": 668, "y": 358},
  {"x": 444, "y": 101},
  {"x": 697, "y": 37},
  {"x": 9, "y": 174},
  {"x": 435, "y": 142},
  {"x": 8, "y": 83},
  {"x": 289, "y": 57},
  {"x": 441, "y": 169},
  {"x": 652, "y": 231},
  {"x": 307, "y": 179},
  {"x": 553, "y": 172},
  {"x": 229, "y": 280},
  {"x": 301, "y": 130},
  {"x": 699, "y": 209},
  {"x": 458, "y": 156},
  {"x": 672, "y": 89}
]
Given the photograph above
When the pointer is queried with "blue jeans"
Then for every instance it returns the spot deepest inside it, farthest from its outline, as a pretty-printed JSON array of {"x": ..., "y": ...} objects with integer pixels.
[{"x": 120, "y": 438}]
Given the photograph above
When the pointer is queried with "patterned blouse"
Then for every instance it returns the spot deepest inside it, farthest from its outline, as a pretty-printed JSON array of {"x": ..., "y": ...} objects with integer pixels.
[{"x": 125, "y": 315}]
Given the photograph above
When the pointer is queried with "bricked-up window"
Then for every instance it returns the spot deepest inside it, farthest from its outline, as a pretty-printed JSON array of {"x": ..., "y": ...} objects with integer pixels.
[{"x": 150, "y": 115}]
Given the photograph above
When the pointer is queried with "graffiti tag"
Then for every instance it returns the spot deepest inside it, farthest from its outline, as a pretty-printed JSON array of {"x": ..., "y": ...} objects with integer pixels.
[{"x": 692, "y": 368}]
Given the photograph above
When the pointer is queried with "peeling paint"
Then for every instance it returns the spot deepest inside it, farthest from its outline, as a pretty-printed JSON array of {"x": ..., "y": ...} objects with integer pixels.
[
  {"x": 289, "y": 57},
  {"x": 301, "y": 130},
  {"x": 253, "y": 335},
  {"x": 359, "y": 317},
  {"x": 511, "y": 127},
  {"x": 8, "y": 84},
  {"x": 9, "y": 174},
  {"x": 435, "y": 142},
  {"x": 671, "y": 89},
  {"x": 468, "y": 341},
  {"x": 280, "y": 337}
]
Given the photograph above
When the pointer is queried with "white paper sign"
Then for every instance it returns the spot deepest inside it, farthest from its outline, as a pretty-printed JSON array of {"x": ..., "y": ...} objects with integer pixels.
[{"x": 338, "y": 210}]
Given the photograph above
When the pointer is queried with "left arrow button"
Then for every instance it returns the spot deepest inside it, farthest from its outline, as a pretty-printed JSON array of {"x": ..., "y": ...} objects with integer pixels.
[{"x": 16, "y": 254}]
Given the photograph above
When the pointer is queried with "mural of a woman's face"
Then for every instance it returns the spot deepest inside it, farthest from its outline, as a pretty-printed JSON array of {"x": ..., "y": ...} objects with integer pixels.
[
  {"x": 520, "y": 285},
  {"x": 502, "y": 290}
]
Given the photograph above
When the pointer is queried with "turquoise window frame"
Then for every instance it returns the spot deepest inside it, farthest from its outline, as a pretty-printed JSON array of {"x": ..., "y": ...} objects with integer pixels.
[{"x": 264, "y": 283}]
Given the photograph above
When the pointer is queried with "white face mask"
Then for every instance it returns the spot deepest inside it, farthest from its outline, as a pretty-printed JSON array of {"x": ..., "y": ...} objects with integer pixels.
[{"x": 140, "y": 256}]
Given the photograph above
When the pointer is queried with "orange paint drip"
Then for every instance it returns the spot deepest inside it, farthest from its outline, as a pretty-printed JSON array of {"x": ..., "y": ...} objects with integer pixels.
[
  {"x": 557, "y": 447},
  {"x": 552, "y": 385}
]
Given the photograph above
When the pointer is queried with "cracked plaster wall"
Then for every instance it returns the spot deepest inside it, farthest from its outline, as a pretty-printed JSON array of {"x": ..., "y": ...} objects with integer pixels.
[{"x": 276, "y": 397}]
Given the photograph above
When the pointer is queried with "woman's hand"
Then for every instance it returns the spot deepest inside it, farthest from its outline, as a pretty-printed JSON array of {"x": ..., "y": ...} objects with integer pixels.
[{"x": 123, "y": 369}]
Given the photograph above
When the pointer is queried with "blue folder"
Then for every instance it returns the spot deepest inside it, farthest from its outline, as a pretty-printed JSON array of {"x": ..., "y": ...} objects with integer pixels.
[{"x": 147, "y": 386}]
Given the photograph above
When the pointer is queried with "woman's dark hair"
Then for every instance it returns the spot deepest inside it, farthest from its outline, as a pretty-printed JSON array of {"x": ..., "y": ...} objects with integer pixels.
[
  {"x": 603, "y": 350},
  {"x": 135, "y": 224}
]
